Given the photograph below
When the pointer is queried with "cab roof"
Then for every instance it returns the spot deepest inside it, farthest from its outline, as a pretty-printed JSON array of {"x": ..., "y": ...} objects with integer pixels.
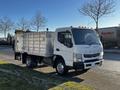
[{"x": 69, "y": 28}]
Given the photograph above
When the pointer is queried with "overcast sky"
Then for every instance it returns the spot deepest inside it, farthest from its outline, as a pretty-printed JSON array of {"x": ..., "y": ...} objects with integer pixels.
[{"x": 59, "y": 13}]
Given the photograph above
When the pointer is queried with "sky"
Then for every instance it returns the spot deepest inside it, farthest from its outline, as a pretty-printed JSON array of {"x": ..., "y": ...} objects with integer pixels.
[{"x": 59, "y": 13}]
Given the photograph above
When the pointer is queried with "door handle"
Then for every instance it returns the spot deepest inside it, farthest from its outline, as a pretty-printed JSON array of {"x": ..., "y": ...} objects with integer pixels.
[{"x": 57, "y": 49}]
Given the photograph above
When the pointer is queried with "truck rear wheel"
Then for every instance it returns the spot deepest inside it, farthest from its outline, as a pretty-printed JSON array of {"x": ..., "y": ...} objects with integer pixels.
[
  {"x": 30, "y": 62},
  {"x": 17, "y": 56},
  {"x": 61, "y": 68}
]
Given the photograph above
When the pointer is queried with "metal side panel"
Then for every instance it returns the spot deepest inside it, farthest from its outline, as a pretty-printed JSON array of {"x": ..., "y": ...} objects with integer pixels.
[{"x": 38, "y": 43}]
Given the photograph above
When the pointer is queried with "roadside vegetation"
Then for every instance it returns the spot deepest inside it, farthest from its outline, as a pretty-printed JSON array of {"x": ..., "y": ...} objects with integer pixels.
[
  {"x": 13, "y": 77},
  {"x": 71, "y": 86}
]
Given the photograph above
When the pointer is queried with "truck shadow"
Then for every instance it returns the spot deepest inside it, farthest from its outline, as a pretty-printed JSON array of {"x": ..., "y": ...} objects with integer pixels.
[
  {"x": 70, "y": 76},
  {"x": 41, "y": 66},
  {"x": 36, "y": 78}
]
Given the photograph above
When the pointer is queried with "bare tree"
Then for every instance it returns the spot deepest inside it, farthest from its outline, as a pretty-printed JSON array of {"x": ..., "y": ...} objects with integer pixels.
[
  {"x": 23, "y": 24},
  {"x": 5, "y": 25},
  {"x": 38, "y": 21},
  {"x": 96, "y": 9}
]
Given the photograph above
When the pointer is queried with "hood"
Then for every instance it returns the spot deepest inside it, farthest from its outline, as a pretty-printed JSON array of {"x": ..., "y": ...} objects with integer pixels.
[{"x": 88, "y": 49}]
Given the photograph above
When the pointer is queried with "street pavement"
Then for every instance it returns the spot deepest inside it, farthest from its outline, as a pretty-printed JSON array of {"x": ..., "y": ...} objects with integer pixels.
[
  {"x": 106, "y": 77},
  {"x": 112, "y": 62}
]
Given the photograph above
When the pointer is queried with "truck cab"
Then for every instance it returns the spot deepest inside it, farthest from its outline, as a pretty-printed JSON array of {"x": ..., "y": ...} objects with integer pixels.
[{"x": 79, "y": 48}]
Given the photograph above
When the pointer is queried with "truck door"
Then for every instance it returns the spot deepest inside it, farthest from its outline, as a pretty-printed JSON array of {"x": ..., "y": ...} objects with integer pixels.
[{"x": 64, "y": 46}]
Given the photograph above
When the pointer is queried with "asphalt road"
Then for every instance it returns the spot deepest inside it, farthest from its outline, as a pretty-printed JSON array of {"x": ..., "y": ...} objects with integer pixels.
[
  {"x": 106, "y": 77},
  {"x": 112, "y": 62}
]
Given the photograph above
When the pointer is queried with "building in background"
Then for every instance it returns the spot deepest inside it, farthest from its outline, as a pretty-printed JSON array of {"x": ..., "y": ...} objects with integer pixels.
[{"x": 110, "y": 36}]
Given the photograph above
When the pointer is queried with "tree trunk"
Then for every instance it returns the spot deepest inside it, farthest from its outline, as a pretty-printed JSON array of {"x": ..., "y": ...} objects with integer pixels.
[
  {"x": 37, "y": 29},
  {"x": 97, "y": 26},
  {"x": 5, "y": 34}
]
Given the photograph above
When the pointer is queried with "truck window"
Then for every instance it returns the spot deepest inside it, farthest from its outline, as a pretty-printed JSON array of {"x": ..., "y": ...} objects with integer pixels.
[
  {"x": 85, "y": 37},
  {"x": 65, "y": 38}
]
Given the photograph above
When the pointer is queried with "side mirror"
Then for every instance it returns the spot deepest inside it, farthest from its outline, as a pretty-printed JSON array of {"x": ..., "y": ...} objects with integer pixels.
[{"x": 70, "y": 45}]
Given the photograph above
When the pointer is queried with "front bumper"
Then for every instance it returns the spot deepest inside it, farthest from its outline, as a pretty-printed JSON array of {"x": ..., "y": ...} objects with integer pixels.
[{"x": 87, "y": 65}]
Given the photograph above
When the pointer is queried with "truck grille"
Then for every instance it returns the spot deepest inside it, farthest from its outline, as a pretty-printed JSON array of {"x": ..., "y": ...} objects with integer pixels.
[
  {"x": 91, "y": 55},
  {"x": 94, "y": 60}
]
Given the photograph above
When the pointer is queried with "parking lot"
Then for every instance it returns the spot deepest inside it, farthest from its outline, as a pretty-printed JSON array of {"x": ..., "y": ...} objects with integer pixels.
[{"x": 106, "y": 77}]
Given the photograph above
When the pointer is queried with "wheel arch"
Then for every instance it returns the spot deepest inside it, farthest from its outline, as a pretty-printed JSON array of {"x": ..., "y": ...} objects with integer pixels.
[{"x": 57, "y": 58}]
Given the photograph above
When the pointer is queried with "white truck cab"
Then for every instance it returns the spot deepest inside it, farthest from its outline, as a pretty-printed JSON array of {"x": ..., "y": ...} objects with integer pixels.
[
  {"x": 79, "y": 48},
  {"x": 66, "y": 48}
]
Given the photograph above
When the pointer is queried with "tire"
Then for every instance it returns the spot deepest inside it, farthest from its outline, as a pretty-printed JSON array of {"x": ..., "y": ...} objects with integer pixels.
[
  {"x": 30, "y": 62},
  {"x": 17, "y": 56},
  {"x": 24, "y": 58},
  {"x": 35, "y": 63},
  {"x": 61, "y": 68}
]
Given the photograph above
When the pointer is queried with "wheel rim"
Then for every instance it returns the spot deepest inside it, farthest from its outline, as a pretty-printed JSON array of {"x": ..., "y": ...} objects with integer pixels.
[{"x": 60, "y": 68}]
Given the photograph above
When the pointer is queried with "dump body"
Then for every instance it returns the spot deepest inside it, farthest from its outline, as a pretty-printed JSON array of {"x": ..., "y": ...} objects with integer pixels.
[{"x": 38, "y": 43}]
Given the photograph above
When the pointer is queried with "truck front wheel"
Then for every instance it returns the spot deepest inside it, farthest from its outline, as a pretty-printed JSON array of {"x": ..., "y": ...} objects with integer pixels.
[{"x": 61, "y": 68}]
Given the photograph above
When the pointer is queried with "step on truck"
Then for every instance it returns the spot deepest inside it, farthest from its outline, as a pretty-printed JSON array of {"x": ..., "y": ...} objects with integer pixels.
[{"x": 66, "y": 48}]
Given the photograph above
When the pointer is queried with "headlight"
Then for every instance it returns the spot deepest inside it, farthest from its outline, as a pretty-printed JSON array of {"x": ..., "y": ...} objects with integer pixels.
[
  {"x": 101, "y": 55},
  {"x": 77, "y": 57}
]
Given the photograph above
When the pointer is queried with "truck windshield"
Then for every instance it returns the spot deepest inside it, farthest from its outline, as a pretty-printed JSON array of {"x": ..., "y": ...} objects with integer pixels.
[{"x": 85, "y": 37}]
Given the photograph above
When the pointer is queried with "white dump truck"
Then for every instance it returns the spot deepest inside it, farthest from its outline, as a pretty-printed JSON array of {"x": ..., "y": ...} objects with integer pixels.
[{"x": 66, "y": 48}]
